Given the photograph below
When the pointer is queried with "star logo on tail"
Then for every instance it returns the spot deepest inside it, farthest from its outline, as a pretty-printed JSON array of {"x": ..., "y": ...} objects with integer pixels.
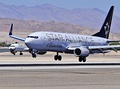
[{"x": 106, "y": 28}]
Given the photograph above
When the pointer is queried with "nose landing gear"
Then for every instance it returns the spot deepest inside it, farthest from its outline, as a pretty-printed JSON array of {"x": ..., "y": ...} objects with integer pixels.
[
  {"x": 33, "y": 55},
  {"x": 32, "y": 51}
]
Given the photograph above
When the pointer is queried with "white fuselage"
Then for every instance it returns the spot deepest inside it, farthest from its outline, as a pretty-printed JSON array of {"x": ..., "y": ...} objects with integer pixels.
[
  {"x": 18, "y": 47},
  {"x": 54, "y": 41}
]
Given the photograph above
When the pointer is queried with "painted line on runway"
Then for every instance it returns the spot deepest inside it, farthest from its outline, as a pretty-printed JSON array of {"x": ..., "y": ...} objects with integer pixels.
[{"x": 60, "y": 64}]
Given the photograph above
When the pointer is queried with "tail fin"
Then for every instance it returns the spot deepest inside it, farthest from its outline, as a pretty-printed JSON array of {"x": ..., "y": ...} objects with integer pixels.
[{"x": 105, "y": 30}]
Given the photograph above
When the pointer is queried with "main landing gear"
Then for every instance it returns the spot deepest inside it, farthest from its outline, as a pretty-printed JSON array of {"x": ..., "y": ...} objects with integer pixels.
[
  {"x": 82, "y": 59},
  {"x": 58, "y": 57}
]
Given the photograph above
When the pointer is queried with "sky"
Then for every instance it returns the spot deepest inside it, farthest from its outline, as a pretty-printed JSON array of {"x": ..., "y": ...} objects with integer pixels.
[{"x": 70, "y": 4}]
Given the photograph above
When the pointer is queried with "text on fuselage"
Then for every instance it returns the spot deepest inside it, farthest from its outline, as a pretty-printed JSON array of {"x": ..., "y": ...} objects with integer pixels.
[{"x": 69, "y": 38}]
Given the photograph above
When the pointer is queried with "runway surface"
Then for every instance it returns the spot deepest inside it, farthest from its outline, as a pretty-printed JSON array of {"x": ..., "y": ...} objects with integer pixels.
[
  {"x": 23, "y": 72},
  {"x": 60, "y": 76},
  {"x": 71, "y": 78}
]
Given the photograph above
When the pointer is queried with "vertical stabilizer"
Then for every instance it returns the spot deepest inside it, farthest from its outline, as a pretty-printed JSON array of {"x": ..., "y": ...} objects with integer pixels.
[{"x": 105, "y": 30}]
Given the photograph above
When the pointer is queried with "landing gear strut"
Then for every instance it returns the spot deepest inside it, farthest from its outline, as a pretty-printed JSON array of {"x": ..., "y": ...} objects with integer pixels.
[
  {"x": 58, "y": 57},
  {"x": 12, "y": 52},
  {"x": 82, "y": 59},
  {"x": 32, "y": 51}
]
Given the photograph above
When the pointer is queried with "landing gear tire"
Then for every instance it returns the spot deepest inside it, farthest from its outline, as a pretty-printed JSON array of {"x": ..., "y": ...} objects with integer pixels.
[
  {"x": 82, "y": 59},
  {"x": 33, "y": 55},
  {"x": 55, "y": 57},
  {"x": 21, "y": 53},
  {"x": 59, "y": 57}
]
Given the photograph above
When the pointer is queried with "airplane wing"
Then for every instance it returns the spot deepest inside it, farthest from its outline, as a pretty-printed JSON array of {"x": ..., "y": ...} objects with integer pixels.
[
  {"x": 15, "y": 37},
  {"x": 94, "y": 49},
  {"x": 103, "y": 48},
  {"x": 109, "y": 41}
]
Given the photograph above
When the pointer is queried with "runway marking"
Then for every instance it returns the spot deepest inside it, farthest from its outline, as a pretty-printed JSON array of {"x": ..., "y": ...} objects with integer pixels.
[{"x": 58, "y": 66}]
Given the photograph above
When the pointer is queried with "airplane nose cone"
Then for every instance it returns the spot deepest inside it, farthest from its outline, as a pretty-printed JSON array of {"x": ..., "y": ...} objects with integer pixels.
[
  {"x": 12, "y": 48},
  {"x": 26, "y": 41}
]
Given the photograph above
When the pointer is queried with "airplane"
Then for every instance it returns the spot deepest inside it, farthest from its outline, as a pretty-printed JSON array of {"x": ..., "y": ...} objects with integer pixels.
[
  {"x": 15, "y": 47},
  {"x": 79, "y": 45}
]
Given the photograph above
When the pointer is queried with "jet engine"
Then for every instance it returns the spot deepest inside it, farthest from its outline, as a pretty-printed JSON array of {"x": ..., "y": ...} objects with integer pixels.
[
  {"x": 81, "y": 52},
  {"x": 41, "y": 52}
]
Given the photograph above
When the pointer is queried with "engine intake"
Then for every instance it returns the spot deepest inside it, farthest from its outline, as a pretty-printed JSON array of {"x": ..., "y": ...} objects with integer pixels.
[
  {"x": 41, "y": 52},
  {"x": 82, "y": 51}
]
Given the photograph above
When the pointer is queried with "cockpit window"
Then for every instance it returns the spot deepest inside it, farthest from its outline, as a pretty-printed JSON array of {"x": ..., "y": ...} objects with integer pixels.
[
  {"x": 36, "y": 37},
  {"x": 12, "y": 46}
]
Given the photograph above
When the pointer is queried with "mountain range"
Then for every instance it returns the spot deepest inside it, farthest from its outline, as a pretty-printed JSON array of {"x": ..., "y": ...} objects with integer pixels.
[
  {"x": 92, "y": 18},
  {"x": 23, "y": 28}
]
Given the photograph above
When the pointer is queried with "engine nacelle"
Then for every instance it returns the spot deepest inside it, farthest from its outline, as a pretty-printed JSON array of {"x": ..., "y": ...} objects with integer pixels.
[
  {"x": 41, "y": 52},
  {"x": 82, "y": 51}
]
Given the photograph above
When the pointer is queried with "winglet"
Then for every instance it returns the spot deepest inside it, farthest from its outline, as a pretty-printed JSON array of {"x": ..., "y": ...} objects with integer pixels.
[
  {"x": 15, "y": 37},
  {"x": 11, "y": 28}
]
